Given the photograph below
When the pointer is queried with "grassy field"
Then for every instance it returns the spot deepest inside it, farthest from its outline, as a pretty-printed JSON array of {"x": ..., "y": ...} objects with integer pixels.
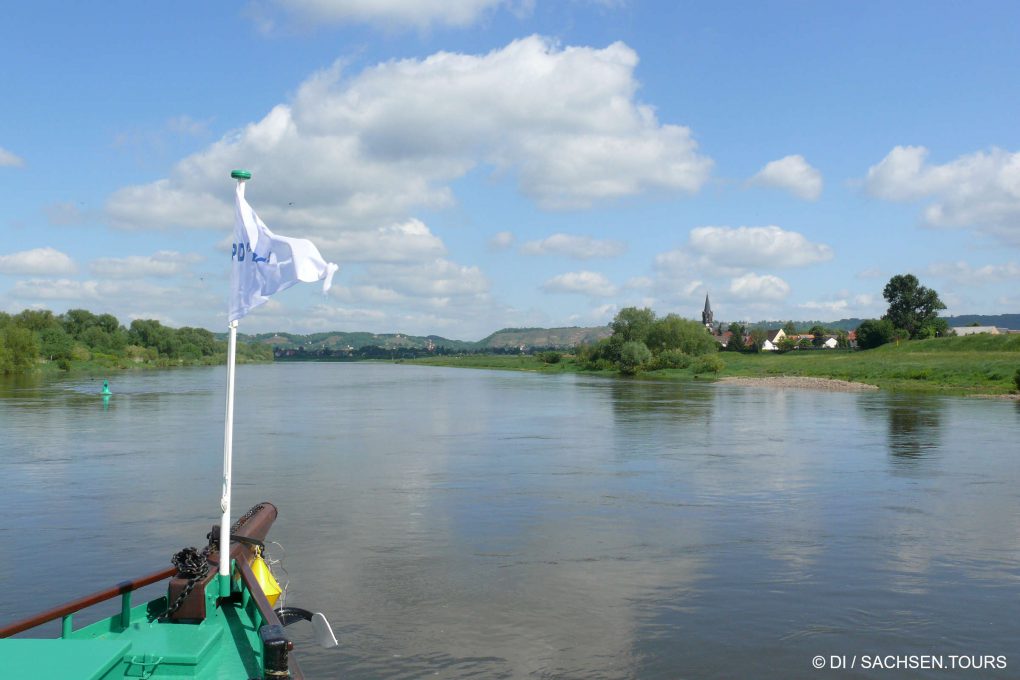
[{"x": 970, "y": 365}]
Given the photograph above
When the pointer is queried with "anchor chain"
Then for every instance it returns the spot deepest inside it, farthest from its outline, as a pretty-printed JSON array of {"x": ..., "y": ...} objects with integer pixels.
[{"x": 194, "y": 565}]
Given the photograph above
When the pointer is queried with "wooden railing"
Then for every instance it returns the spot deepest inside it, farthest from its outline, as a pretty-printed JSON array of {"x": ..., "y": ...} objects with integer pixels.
[{"x": 65, "y": 611}]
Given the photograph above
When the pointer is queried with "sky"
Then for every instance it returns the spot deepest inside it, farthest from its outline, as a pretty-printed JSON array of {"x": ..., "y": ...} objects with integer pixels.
[{"x": 479, "y": 164}]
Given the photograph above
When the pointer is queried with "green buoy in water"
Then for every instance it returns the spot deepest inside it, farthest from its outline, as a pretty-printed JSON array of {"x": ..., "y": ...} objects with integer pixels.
[{"x": 106, "y": 388}]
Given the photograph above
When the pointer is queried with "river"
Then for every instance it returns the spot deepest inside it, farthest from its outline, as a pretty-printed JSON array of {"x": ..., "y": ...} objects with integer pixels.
[{"x": 481, "y": 524}]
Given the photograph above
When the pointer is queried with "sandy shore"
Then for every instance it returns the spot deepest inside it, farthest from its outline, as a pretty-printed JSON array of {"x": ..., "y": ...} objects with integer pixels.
[{"x": 797, "y": 382}]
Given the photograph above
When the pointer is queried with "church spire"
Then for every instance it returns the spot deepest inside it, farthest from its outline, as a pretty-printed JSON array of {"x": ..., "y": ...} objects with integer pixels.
[{"x": 706, "y": 315}]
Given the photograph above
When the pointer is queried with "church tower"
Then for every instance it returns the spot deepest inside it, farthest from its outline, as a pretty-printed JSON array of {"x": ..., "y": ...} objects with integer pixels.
[{"x": 706, "y": 315}]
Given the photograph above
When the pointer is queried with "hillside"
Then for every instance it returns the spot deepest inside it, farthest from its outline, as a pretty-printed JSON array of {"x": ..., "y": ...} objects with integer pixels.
[
  {"x": 560, "y": 338},
  {"x": 502, "y": 339},
  {"x": 544, "y": 337}
]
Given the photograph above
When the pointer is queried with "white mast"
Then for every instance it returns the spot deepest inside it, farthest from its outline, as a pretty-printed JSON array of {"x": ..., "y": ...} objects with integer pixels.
[{"x": 228, "y": 436}]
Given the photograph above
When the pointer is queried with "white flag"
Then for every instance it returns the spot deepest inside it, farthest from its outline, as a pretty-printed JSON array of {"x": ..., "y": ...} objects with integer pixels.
[{"x": 264, "y": 263}]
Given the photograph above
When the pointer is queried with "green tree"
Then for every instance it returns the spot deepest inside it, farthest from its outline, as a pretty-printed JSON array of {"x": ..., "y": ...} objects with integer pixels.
[
  {"x": 842, "y": 339},
  {"x": 633, "y": 355},
  {"x": 77, "y": 321},
  {"x": 632, "y": 324},
  {"x": 36, "y": 320},
  {"x": 22, "y": 349},
  {"x": 911, "y": 305},
  {"x": 736, "y": 342},
  {"x": 872, "y": 333},
  {"x": 108, "y": 322},
  {"x": 790, "y": 328},
  {"x": 818, "y": 334},
  {"x": 55, "y": 344},
  {"x": 758, "y": 338},
  {"x": 676, "y": 332}
]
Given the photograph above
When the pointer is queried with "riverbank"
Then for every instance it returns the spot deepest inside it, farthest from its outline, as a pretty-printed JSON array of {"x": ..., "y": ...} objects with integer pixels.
[
  {"x": 793, "y": 382},
  {"x": 953, "y": 366}
]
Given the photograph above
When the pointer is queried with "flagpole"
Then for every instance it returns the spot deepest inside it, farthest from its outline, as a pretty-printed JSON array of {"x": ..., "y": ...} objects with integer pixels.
[{"x": 228, "y": 438}]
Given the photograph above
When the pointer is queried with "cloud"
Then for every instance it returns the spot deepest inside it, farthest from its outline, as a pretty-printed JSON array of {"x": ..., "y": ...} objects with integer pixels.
[
  {"x": 979, "y": 191},
  {"x": 793, "y": 174},
  {"x": 872, "y": 273},
  {"x": 578, "y": 247},
  {"x": 8, "y": 159},
  {"x": 419, "y": 14},
  {"x": 757, "y": 246},
  {"x": 71, "y": 290},
  {"x": 965, "y": 274},
  {"x": 437, "y": 279},
  {"x": 502, "y": 240},
  {"x": 584, "y": 282},
  {"x": 639, "y": 282},
  {"x": 408, "y": 241},
  {"x": 38, "y": 261},
  {"x": 161, "y": 264},
  {"x": 368, "y": 150},
  {"x": 766, "y": 288},
  {"x": 844, "y": 305}
]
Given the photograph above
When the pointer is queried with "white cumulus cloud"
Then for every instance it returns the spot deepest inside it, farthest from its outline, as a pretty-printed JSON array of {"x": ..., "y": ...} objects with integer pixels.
[
  {"x": 408, "y": 241},
  {"x": 357, "y": 152},
  {"x": 502, "y": 240},
  {"x": 768, "y": 246},
  {"x": 793, "y": 174},
  {"x": 583, "y": 282},
  {"x": 578, "y": 247},
  {"x": 964, "y": 273},
  {"x": 161, "y": 263},
  {"x": 979, "y": 190},
  {"x": 420, "y": 14},
  {"x": 9, "y": 159},
  {"x": 753, "y": 287},
  {"x": 38, "y": 261}
]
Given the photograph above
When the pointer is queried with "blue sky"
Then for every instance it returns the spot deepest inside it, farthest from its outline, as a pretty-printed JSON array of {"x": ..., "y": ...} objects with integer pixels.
[{"x": 477, "y": 164}]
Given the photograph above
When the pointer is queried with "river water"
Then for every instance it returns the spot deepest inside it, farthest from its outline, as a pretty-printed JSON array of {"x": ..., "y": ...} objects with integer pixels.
[{"x": 479, "y": 524}]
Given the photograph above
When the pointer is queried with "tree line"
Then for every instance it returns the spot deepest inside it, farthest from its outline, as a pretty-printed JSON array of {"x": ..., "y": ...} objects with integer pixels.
[
  {"x": 641, "y": 341},
  {"x": 34, "y": 337}
]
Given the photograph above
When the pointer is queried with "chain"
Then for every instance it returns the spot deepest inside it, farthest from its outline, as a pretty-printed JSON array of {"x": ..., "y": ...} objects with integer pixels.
[
  {"x": 246, "y": 516},
  {"x": 193, "y": 565}
]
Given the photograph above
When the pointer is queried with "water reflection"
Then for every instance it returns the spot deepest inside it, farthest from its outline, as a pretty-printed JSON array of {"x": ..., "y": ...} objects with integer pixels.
[
  {"x": 914, "y": 427},
  {"x": 678, "y": 401},
  {"x": 485, "y": 524}
]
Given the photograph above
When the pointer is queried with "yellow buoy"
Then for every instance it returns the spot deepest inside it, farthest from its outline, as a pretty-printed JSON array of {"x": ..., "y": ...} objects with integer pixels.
[{"x": 264, "y": 576}]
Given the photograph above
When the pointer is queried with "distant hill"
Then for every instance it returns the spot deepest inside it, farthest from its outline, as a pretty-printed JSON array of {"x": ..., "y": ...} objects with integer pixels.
[
  {"x": 544, "y": 337},
  {"x": 1011, "y": 321},
  {"x": 505, "y": 338},
  {"x": 561, "y": 338},
  {"x": 1000, "y": 320}
]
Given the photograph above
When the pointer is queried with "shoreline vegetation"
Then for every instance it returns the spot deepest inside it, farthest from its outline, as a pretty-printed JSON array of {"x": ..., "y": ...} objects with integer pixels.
[
  {"x": 641, "y": 346},
  {"x": 982, "y": 366},
  {"x": 972, "y": 365}
]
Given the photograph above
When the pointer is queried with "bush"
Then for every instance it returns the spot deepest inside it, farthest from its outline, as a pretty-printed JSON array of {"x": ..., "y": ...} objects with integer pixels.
[
  {"x": 709, "y": 363},
  {"x": 550, "y": 357},
  {"x": 672, "y": 358},
  {"x": 633, "y": 356},
  {"x": 1016, "y": 379},
  {"x": 871, "y": 333}
]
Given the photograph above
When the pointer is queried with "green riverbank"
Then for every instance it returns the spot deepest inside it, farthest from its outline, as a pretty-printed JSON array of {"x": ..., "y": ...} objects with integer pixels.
[{"x": 973, "y": 365}]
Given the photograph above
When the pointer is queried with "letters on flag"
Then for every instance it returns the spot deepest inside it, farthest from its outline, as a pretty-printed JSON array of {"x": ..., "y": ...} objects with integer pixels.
[{"x": 264, "y": 263}]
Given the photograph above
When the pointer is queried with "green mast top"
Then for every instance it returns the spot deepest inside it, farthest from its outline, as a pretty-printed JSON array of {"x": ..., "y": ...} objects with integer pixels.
[{"x": 240, "y": 174}]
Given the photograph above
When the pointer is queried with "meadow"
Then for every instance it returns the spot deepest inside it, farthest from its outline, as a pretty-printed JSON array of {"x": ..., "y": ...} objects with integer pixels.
[{"x": 972, "y": 365}]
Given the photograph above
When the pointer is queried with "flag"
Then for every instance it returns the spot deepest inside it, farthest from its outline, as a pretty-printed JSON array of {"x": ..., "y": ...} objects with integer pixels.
[{"x": 264, "y": 263}]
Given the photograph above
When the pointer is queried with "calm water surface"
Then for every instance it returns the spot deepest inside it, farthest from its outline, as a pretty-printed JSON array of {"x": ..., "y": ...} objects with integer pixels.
[{"x": 476, "y": 524}]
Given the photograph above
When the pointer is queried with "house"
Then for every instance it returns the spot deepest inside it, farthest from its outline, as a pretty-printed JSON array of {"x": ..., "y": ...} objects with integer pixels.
[
  {"x": 974, "y": 330},
  {"x": 830, "y": 343},
  {"x": 772, "y": 339}
]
